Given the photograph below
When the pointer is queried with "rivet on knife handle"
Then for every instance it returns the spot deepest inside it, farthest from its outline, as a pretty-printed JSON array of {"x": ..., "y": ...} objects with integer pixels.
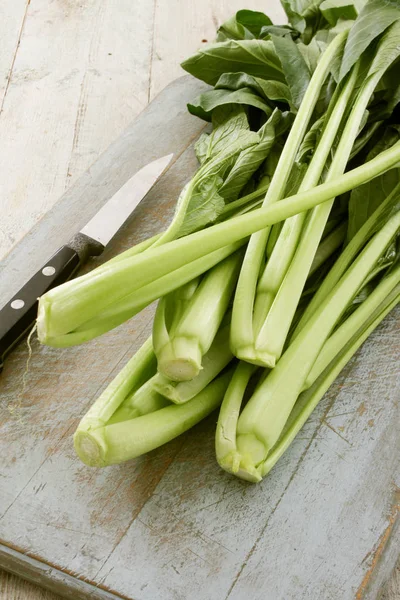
[{"x": 19, "y": 314}]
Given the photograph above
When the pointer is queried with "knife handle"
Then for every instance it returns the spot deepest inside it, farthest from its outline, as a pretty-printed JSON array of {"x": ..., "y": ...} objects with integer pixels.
[{"x": 19, "y": 314}]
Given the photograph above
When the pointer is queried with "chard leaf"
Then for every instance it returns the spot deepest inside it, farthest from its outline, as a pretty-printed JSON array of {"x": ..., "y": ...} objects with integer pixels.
[
  {"x": 201, "y": 147},
  {"x": 207, "y": 102},
  {"x": 250, "y": 159},
  {"x": 199, "y": 202},
  {"x": 229, "y": 123},
  {"x": 255, "y": 57},
  {"x": 280, "y": 30},
  {"x": 388, "y": 49},
  {"x": 245, "y": 25},
  {"x": 374, "y": 18},
  {"x": 310, "y": 141},
  {"x": 269, "y": 90},
  {"x": 205, "y": 206},
  {"x": 365, "y": 199},
  {"x": 253, "y": 21},
  {"x": 294, "y": 66},
  {"x": 312, "y": 52},
  {"x": 333, "y": 10},
  {"x": 304, "y": 15}
]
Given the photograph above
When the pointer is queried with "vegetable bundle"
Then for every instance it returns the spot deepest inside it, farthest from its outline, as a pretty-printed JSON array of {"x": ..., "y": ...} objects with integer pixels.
[{"x": 283, "y": 254}]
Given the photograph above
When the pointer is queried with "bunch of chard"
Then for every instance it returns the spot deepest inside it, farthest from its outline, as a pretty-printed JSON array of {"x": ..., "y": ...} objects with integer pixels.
[{"x": 283, "y": 253}]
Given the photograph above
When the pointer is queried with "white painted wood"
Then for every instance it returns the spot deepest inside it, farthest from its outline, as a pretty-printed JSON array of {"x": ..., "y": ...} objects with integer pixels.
[
  {"x": 81, "y": 73},
  {"x": 182, "y": 26},
  {"x": 12, "y": 15},
  {"x": 80, "y": 76}
]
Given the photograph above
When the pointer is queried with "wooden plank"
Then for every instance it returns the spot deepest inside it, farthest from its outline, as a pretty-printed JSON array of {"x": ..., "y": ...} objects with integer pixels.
[
  {"x": 12, "y": 17},
  {"x": 76, "y": 84},
  {"x": 193, "y": 24},
  {"x": 171, "y": 524}
]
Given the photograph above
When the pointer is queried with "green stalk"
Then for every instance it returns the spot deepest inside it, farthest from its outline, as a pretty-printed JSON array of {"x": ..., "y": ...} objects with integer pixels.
[
  {"x": 309, "y": 399},
  {"x": 271, "y": 339},
  {"x": 180, "y": 359},
  {"x": 332, "y": 242},
  {"x": 118, "y": 442},
  {"x": 169, "y": 311},
  {"x": 136, "y": 371},
  {"x": 242, "y": 331},
  {"x": 244, "y": 201},
  {"x": 133, "y": 303},
  {"x": 390, "y": 204},
  {"x": 141, "y": 402},
  {"x": 228, "y": 456},
  {"x": 387, "y": 288},
  {"x": 70, "y": 305},
  {"x": 213, "y": 362},
  {"x": 285, "y": 247},
  {"x": 263, "y": 418}
]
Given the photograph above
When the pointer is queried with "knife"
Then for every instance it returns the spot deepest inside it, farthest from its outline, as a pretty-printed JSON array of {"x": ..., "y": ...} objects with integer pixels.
[{"x": 19, "y": 314}]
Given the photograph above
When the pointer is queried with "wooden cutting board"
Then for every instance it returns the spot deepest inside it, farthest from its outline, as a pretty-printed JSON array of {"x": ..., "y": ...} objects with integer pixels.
[{"x": 171, "y": 525}]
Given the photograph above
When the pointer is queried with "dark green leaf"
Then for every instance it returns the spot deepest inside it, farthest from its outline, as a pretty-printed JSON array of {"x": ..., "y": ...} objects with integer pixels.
[
  {"x": 245, "y": 25},
  {"x": 310, "y": 141},
  {"x": 388, "y": 49},
  {"x": 269, "y": 90},
  {"x": 294, "y": 67},
  {"x": 280, "y": 30},
  {"x": 365, "y": 199},
  {"x": 209, "y": 101},
  {"x": 304, "y": 15},
  {"x": 255, "y": 57},
  {"x": 374, "y": 18},
  {"x": 333, "y": 10}
]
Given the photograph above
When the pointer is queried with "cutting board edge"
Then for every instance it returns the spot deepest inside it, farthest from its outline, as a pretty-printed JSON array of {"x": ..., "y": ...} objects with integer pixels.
[{"x": 48, "y": 577}]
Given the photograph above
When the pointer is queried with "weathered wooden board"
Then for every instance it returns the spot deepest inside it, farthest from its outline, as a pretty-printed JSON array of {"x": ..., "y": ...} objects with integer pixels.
[{"x": 172, "y": 525}]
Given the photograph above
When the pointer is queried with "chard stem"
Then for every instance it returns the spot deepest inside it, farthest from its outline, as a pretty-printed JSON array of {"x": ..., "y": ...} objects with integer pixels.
[
  {"x": 70, "y": 305},
  {"x": 118, "y": 442},
  {"x": 275, "y": 329},
  {"x": 213, "y": 362},
  {"x": 266, "y": 413},
  {"x": 242, "y": 331}
]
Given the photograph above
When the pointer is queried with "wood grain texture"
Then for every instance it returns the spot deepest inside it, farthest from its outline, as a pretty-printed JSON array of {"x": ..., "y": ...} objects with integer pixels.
[
  {"x": 72, "y": 76},
  {"x": 169, "y": 523}
]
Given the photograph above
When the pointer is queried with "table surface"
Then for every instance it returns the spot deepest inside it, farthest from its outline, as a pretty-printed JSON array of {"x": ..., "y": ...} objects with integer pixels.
[{"x": 73, "y": 75}]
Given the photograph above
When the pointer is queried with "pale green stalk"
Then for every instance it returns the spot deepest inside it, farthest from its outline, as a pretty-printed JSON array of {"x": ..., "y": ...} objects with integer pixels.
[
  {"x": 213, "y": 362},
  {"x": 348, "y": 255},
  {"x": 388, "y": 287},
  {"x": 309, "y": 399},
  {"x": 263, "y": 418},
  {"x": 171, "y": 307},
  {"x": 285, "y": 247},
  {"x": 136, "y": 371},
  {"x": 226, "y": 450},
  {"x": 71, "y": 305},
  {"x": 180, "y": 351},
  {"x": 118, "y": 442},
  {"x": 141, "y": 402},
  {"x": 242, "y": 331},
  {"x": 332, "y": 242},
  {"x": 272, "y": 336}
]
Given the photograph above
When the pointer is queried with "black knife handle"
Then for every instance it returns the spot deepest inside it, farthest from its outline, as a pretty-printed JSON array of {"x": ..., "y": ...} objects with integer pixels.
[{"x": 18, "y": 315}]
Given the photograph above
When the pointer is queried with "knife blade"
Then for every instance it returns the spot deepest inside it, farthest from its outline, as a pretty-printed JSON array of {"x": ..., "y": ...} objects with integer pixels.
[{"x": 19, "y": 314}]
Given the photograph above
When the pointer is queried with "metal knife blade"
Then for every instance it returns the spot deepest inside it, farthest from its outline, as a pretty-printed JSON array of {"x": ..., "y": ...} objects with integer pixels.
[
  {"x": 19, "y": 314},
  {"x": 110, "y": 218}
]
